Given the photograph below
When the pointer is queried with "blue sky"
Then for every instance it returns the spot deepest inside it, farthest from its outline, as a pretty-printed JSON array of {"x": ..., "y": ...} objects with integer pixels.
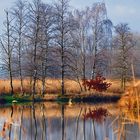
[{"x": 126, "y": 11}]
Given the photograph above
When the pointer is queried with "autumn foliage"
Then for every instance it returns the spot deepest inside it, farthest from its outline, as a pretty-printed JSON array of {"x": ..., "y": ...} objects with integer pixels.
[
  {"x": 98, "y": 84},
  {"x": 98, "y": 114}
]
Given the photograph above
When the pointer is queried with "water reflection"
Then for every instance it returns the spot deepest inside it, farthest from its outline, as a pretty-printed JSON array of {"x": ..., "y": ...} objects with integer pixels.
[{"x": 50, "y": 121}]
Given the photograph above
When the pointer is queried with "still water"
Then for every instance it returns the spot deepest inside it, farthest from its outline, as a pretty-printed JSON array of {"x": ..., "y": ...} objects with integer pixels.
[{"x": 52, "y": 121}]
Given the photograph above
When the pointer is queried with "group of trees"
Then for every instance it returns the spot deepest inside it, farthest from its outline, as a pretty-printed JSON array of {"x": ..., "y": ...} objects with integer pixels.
[{"x": 42, "y": 40}]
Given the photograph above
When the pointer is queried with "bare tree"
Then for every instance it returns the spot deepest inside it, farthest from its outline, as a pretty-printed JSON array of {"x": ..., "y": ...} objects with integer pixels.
[
  {"x": 19, "y": 12},
  {"x": 62, "y": 30},
  {"x": 93, "y": 37},
  {"x": 7, "y": 43},
  {"x": 80, "y": 42},
  {"x": 46, "y": 37},
  {"x": 100, "y": 31},
  {"x": 34, "y": 40},
  {"x": 123, "y": 42}
]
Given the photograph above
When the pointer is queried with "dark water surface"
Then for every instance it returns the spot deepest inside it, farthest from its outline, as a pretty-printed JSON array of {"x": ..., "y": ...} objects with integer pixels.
[{"x": 51, "y": 121}]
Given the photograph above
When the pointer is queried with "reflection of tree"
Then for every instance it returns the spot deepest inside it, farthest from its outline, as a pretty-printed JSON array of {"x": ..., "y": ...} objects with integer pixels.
[
  {"x": 10, "y": 125},
  {"x": 63, "y": 121},
  {"x": 84, "y": 125},
  {"x": 77, "y": 122},
  {"x": 96, "y": 115},
  {"x": 21, "y": 119},
  {"x": 7, "y": 132},
  {"x": 35, "y": 121},
  {"x": 42, "y": 123},
  {"x": 44, "y": 130},
  {"x": 31, "y": 123}
]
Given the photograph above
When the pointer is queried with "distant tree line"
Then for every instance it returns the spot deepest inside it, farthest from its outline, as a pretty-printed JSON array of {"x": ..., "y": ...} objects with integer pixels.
[{"x": 41, "y": 40}]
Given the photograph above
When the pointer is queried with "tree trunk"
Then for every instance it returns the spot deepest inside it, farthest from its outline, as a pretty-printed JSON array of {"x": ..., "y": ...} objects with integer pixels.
[
  {"x": 94, "y": 72},
  {"x": 63, "y": 121},
  {"x": 20, "y": 75},
  {"x": 84, "y": 70},
  {"x": 43, "y": 79},
  {"x": 11, "y": 77},
  {"x": 34, "y": 84},
  {"x": 62, "y": 75}
]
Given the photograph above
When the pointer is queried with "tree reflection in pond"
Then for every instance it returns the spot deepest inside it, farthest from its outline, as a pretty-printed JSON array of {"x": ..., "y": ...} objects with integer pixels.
[
  {"x": 98, "y": 114},
  {"x": 50, "y": 121}
]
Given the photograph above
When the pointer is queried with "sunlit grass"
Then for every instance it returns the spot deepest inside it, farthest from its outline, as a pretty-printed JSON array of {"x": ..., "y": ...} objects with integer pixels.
[{"x": 54, "y": 86}]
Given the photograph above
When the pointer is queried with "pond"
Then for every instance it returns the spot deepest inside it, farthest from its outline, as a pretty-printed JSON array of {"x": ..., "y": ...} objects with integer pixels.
[{"x": 52, "y": 121}]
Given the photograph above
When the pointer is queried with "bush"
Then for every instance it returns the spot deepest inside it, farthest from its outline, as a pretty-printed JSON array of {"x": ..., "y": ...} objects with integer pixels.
[{"x": 97, "y": 84}]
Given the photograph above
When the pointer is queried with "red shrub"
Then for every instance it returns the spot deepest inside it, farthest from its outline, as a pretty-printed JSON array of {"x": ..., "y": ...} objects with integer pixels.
[{"x": 97, "y": 84}]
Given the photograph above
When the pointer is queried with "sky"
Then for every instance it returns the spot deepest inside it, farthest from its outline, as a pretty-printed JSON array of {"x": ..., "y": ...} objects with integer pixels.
[{"x": 119, "y": 11}]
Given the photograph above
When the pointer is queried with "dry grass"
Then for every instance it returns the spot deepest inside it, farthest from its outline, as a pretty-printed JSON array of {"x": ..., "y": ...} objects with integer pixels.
[
  {"x": 5, "y": 86},
  {"x": 130, "y": 102},
  {"x": 129, "y": 108},
  {"x": 54, "y": 86},
  {"x": 115, "y": 87}
]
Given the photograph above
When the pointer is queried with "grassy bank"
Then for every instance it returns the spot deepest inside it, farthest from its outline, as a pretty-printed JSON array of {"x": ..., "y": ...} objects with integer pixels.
[
  {"x": 9, "y": 99},
  {"x": 96, "y": 98},
  {"x": 82, "y": 98},
  {"x": 53, "y": 92}
]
